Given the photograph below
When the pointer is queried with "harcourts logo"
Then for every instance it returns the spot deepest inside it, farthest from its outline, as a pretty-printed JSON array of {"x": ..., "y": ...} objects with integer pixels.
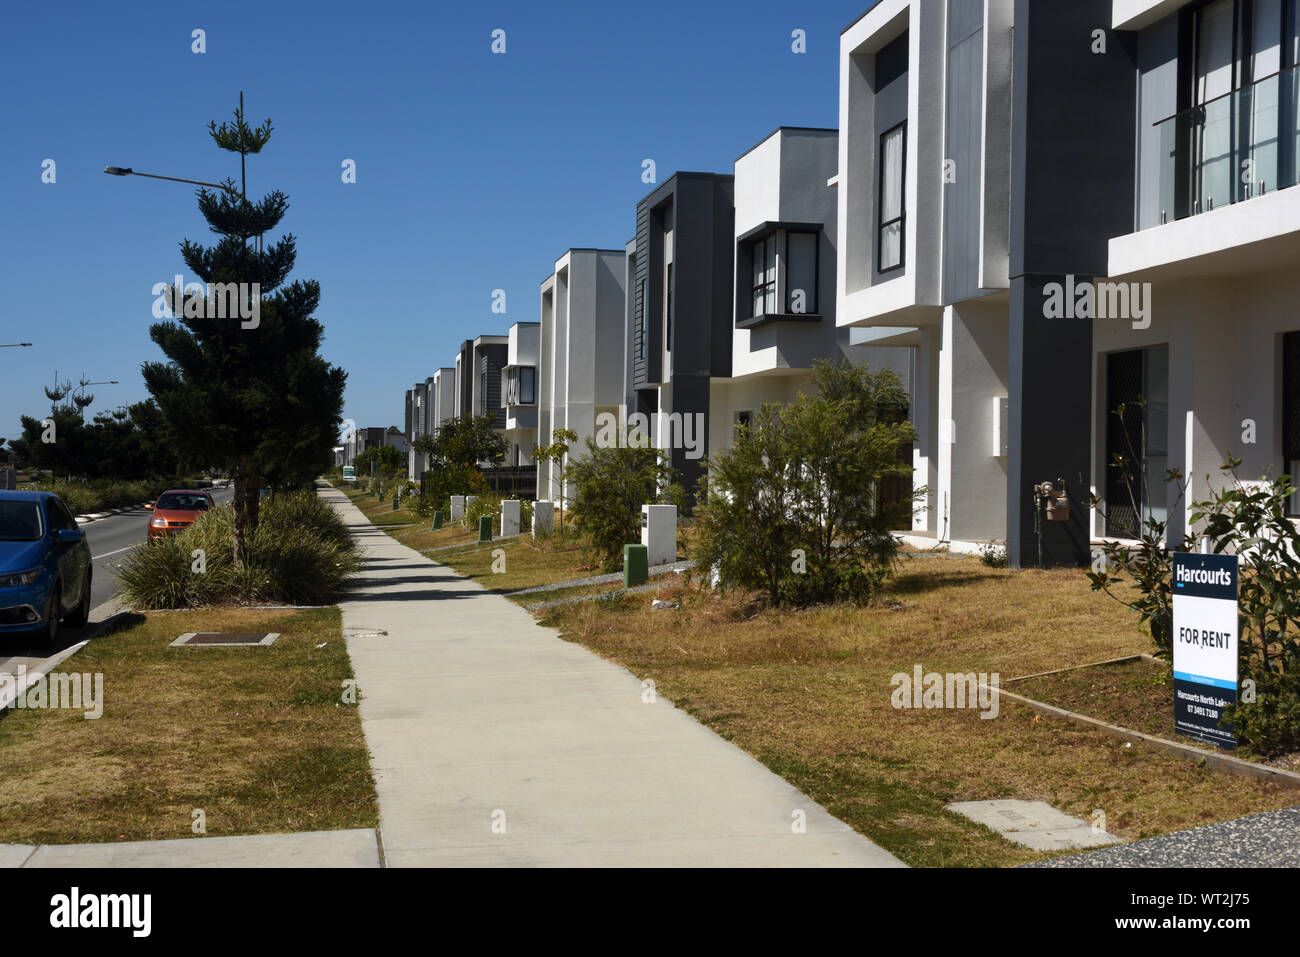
[
  {"x": 952, "y": 690},
  {"x": 1203, "y": 576},
  {"x": 1101, "y": 300}
]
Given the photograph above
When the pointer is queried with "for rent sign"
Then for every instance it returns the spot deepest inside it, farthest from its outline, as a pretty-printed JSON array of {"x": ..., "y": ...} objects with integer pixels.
[{"x": 1205, "y": 645}]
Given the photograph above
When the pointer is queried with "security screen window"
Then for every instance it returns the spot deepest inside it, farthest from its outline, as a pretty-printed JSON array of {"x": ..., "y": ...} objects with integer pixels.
[
  {"x": 892, "y": 151},
  {"x": 801, "y": 273},
  {"x": 765, "y": 276}
]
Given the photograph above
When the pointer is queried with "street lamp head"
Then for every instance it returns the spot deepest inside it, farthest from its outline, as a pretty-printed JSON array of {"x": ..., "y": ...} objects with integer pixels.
[{"x": 117, "y": 170}]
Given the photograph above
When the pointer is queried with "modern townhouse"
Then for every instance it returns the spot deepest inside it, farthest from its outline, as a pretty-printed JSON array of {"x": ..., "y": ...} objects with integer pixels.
[
  {"x": 986, "y": 158},
  {"x": 581, "y": 351},
  {"x": 784, "y": 275},
  {"x": 431, "y": 403},
  {"x": 478, "y": 377},
  {"x": 1202, "y": 274},
  {"x": 519, "y": 393},
  {"x": 681, "y": 312}
]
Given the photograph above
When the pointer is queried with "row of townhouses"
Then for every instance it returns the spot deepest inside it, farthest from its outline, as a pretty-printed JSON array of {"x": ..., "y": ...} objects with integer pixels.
[
  {"x": 1036, "y": 212},
  {"x": 356, "y": 441}
]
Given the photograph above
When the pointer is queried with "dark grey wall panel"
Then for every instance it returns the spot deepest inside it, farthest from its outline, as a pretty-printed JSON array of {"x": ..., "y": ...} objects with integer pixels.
[
  {"x": 961, "y": 199},
  {"x": 1073, "y": 147}
]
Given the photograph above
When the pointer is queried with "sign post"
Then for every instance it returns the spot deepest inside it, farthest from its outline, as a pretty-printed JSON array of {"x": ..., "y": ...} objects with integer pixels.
[{"x": 1205, "y": 645}]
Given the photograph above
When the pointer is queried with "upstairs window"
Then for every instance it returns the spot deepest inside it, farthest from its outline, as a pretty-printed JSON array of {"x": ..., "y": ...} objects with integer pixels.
[
  {"x": 765, "y": 276},
  {"x": 893, "y": 150},
  {"x": 785, "y": 267}
]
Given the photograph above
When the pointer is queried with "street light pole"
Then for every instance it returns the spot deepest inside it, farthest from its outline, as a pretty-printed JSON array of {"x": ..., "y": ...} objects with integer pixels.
[
  {"x": 85, "y": 385},
  {"x": 127, "y": 171}
]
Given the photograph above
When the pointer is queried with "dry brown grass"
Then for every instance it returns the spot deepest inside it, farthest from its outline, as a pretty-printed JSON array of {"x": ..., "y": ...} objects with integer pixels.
[
  {"x": 255, "y": 737},
  {"x": 809, "y": 694}
]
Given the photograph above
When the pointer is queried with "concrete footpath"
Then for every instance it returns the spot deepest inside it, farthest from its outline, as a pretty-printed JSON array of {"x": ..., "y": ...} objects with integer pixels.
[
  {"x": 496, "y": 743},
  {"x": 355, "y": 848}
]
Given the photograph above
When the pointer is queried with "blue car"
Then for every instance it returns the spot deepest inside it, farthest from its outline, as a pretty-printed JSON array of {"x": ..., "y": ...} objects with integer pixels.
[{"x": 45, "y": 568}]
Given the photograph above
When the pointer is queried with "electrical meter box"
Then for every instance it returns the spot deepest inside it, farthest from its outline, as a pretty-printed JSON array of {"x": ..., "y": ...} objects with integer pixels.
[{"x": 659, "y": 533}]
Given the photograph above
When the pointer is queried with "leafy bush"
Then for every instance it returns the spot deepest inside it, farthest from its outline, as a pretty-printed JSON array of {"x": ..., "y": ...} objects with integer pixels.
[
  {"x": 612, "y": 485},
  {"x": 993, "y": 554},
  {"x": 301, "y": 553},
  {"x": 793, "y": 507},
  {"x": 440, "y": 484},
  {"x": 96, "y": 496},
  {"x": 488, "y": 504}
]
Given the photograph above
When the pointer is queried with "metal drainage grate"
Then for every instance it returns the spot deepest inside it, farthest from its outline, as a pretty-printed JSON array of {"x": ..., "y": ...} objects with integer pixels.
[{"x": 220, "y": 639}]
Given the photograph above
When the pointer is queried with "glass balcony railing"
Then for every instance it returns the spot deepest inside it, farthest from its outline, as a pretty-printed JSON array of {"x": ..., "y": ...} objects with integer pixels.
[{"x": 1231, "y": 148}]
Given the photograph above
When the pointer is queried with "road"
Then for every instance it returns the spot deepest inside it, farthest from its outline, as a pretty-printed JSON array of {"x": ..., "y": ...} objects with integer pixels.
[{"x": 109, "y": 539}]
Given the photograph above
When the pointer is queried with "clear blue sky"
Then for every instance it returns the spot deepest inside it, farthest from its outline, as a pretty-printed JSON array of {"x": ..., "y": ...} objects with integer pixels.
[{"x": 474, "y": 171}]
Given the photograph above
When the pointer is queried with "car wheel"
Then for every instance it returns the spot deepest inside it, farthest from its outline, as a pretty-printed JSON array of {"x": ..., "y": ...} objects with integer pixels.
[
  {"x": 50, "y": 633},
  {"x": 79, "y": 617}
]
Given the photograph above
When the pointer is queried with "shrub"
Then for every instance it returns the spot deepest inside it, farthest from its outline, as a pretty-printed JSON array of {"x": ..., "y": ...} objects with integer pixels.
[
  {"x": 488, "y": 504},
  {"x": 301, "y": 553},
  {"x": 993, "y": 554},
  {"x": 612, "y": 485},
  {"x": 793, "y": 509}
]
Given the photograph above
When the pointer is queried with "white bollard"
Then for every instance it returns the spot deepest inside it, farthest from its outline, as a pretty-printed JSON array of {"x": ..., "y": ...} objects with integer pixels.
[
  {"x": 509, "y": 518},
  {"x": 457, "y": 507},
  {"x": 659, "y": 533},
  {"x": 543, "y": 518}
]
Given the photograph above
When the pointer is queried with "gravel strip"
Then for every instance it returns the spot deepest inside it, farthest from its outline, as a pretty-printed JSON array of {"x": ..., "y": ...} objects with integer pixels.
[
  {"x": 1261, "y": 840},
  {"x": 655, "y": 571},
  {"x": 616, "y": 593}
]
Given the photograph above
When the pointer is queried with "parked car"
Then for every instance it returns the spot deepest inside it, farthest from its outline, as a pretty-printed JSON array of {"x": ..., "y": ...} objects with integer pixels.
[
  {"x": 177, "y": 510},
  {"x": 45, "y": 567}
]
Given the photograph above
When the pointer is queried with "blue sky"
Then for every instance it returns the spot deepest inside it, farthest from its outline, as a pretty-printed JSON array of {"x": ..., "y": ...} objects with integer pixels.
[{"x": 474, "y": 171}]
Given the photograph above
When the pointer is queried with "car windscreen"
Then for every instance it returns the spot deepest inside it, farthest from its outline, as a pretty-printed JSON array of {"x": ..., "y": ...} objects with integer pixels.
[
  {"x": 182, "y": 503},
  {"x": 20, "y": 522}
]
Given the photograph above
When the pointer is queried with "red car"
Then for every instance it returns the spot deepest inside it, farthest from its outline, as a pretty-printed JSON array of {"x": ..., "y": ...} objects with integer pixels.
[{"x": 177, "y": 510}]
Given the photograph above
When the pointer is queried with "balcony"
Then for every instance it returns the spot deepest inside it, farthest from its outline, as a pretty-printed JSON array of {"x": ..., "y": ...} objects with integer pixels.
[
  {"x": 1230, "y": 149},
  {"x": 1212, "y": 159}
]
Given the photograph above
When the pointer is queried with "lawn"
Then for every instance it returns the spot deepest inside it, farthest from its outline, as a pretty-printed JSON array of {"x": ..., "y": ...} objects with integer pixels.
[
  {"x": 809, "y": 694},
  {"x": 257, "y": 738}
]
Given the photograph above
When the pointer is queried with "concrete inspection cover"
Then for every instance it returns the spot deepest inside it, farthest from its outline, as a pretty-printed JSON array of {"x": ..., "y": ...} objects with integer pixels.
[
  {"x": 1035, "y": 824},
  {"x": 219, "y": 639}
]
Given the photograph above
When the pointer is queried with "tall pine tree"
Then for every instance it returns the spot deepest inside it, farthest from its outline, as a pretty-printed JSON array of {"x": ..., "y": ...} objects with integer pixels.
[{"x": 253, "y": 397}]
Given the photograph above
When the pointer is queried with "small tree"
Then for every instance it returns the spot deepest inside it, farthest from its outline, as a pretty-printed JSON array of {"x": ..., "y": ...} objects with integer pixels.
[
  {"x": 557, "y": 452},
  {"x": 612, "y": 485},
  {"x": 792, "y": 508}
]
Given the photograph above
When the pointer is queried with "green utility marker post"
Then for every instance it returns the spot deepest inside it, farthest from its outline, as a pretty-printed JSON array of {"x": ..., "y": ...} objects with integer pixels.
[
  {"x": 397, "y": 499},
  {"x": 484, "y": 529},
  {"x": 636, "y": 565},
  {"x": 437, "y": 520}
]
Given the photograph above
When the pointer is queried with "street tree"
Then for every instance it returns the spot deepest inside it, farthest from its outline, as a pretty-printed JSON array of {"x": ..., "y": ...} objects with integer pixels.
[{"x": 248, "y": 392}]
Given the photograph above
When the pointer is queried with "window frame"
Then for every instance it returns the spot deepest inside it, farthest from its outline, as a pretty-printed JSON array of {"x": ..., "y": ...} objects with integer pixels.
[{"x": 901, "y": 219}]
